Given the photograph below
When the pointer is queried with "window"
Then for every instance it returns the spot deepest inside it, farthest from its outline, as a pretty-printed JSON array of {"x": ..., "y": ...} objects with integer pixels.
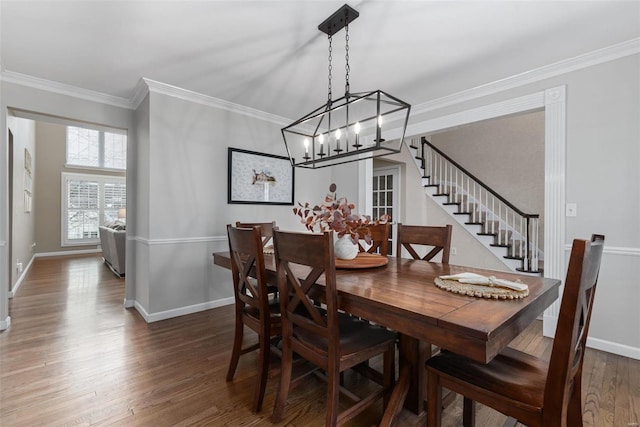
[
  {"x": 89, "y": 201},
  {"x": 96, "y": 149}
]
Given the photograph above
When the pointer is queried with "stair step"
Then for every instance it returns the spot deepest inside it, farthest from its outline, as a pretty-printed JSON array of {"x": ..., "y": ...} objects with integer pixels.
[
  {"x": 441, "y": 194},
  {"x": 502, "y": 245},
  {"x": 474, "y": 223},
  {"x": 487, "y": 234},
  {"x": 451, "y": 203},
  {"x": 413, "y": 146},
  {"x": 522, "y": 270}
]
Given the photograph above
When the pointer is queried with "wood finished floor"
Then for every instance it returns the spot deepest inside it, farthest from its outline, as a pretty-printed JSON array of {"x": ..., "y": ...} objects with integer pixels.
[{"x": 74, "y": 356}]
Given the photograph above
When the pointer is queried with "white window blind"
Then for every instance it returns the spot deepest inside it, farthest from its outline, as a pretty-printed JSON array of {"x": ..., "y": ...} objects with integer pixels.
[{"x": 88, "y": 202}]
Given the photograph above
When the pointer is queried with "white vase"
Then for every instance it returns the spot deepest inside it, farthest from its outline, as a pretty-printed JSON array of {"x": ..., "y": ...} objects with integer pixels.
[{"x": 344, "y": 248}]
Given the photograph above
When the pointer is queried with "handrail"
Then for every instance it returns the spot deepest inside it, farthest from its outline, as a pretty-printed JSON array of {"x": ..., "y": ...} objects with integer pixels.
[{"x": 424, "y": 141}]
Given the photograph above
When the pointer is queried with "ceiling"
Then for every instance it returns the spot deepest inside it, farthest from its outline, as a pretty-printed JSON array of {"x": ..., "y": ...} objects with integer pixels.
[{"x": 269, "y": 55}]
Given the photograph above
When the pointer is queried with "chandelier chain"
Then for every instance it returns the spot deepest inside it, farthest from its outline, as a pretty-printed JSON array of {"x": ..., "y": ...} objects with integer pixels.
[
  {"x": 330, "y": 67},
  {"x": 346, "y": 57}
]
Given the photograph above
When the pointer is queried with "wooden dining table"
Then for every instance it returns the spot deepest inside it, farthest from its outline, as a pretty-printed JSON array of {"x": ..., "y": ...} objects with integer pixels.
[{"x": 402, "y": 296}]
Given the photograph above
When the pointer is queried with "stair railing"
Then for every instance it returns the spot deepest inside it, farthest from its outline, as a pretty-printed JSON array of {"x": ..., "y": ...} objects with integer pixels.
[{"x": 510, "y": 226}]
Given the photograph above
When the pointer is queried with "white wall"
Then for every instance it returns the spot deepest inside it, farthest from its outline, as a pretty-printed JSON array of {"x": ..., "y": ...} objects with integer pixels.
[{"x": 23, "y": 222}]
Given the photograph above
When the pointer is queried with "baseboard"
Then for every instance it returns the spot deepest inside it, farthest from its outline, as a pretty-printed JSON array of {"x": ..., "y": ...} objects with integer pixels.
[
  {"x": 61, "y": 253},
  {"x": 13, "y": 291},
  {"x": 615, "y": 348},
  {"x": 549, "y": 330},
  {"x": 128, "y": 303},
  {"x": 168, "y": 314},
  {"x": 4, "y": 324}
]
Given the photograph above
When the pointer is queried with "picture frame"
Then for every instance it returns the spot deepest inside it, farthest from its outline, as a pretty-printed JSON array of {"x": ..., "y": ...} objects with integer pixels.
[{"x": 259, "y": 178}]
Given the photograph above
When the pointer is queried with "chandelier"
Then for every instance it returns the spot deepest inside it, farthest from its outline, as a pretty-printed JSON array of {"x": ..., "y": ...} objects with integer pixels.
[{"x": 352, "y": 127}]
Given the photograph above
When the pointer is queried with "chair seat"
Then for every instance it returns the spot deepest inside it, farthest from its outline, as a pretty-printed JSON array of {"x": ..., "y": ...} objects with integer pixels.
[
  {"x": 355, "y": 335},
  {"x": 274, "y": 311},
  {"x": 519, "y": 376}
]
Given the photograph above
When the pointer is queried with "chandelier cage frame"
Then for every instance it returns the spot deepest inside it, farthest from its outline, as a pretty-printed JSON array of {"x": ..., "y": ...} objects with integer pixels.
[{"x": 317, "y": 140}]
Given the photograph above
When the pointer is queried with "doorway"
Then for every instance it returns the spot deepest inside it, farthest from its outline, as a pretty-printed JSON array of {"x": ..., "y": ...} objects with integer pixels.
[{"x": 386, "y": 188}]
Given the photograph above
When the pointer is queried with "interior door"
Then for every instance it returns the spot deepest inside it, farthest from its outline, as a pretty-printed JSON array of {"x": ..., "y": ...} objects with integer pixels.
[{"x": 386, "y": 189}]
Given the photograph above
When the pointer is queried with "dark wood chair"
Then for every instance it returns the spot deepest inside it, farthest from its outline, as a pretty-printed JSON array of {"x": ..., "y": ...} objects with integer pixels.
[
  {"x": 266, "y": 228},
  {"x": 253, "y": 306},
  {"x": 331, "y": 340},
  {"x": 535, "y": 392},
  {"x": 438, "y": 237},
  {"x": 379, "y": 239}
]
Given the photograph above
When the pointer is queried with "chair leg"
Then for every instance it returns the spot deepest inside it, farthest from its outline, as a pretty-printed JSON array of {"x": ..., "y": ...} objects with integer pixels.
[
  {"x": 263, "y": 369},
  {"x": 333, "y": 395},
  {"x": 574, "y": 408},
  {"x": 237, "y": 347},
  {"x": 468, "y": 412},
  {"x": 285, "y": 383},
  {"x": 434, "y": 398},
  {"x": 388, "y": 373}
]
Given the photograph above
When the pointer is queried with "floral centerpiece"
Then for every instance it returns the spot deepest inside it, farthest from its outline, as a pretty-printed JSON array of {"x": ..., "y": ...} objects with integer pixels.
[{"x": 337, "y": 214}]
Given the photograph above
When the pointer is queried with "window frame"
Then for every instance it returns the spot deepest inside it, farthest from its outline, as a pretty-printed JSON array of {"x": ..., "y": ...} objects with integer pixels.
[
  {"x": 101, "y": 150},
  {"x": 102, "y": 180}
]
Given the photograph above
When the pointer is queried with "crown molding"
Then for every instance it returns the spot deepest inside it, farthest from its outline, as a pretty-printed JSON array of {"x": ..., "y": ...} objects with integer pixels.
[
  {"x": 600, "y": 56},
  {"x": 63, "y": 89},
  {"x": 210, "y": 101}
]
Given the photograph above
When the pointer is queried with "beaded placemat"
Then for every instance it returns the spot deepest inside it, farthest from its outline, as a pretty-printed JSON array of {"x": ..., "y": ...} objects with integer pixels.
[{"x": 481, "y": 291}]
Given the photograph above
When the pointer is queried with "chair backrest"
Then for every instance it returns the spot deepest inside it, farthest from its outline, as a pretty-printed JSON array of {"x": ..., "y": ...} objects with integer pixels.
[
  {"x": 301, "y": 259},
  {"x": 248, "y": 268},
  {"x": 567, "y": 354},
  {"x": 266, "y": 228},
  {"x": 379, "y": 239},
  {"x": 438, "y": 237}
]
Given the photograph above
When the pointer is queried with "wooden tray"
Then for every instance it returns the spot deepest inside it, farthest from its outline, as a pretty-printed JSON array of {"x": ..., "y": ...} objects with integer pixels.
[{"x": 362, "y": 260}]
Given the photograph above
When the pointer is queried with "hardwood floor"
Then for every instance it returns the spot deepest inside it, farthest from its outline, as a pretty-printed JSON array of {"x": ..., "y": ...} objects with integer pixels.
[{"x": 75, "y": 356}]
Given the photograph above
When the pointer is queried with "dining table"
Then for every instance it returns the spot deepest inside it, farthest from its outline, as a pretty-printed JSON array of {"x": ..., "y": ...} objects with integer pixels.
[{"x": 401, "y": 295}]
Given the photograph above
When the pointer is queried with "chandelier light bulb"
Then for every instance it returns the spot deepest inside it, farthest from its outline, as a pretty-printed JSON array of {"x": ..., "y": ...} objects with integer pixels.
[
  {"x": 380, "y": 121},
  {"x": 338, "y": 134},
  {"x": 357, "y": 128}
]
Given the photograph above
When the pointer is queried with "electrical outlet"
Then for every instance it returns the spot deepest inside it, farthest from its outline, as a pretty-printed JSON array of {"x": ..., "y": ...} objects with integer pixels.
[
  {"x": 19, "y": 267},
  {"x": 454, "y": 251},
  {"x": 571, "y": 209}
]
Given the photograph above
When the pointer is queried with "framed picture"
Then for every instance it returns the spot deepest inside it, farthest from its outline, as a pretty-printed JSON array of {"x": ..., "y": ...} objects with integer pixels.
[{"x": 258, "y": 178}]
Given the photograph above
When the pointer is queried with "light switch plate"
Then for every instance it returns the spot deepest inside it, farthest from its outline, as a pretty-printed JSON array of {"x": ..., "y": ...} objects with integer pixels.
[{"x": 572, "y": 209}]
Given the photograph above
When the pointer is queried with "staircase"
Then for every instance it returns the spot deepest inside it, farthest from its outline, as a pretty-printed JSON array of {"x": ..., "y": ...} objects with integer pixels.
[{"x": 505, "y": 230}]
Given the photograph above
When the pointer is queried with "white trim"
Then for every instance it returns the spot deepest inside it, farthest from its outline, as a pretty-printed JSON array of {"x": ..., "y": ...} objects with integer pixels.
[
  {"x": 63, "y": 253},
  {"x": 15, "y": 288},
  {"x": 613, "y": 250},
  {"x": 615, "y": 348},
  {"x": 178, "y": 241},
  {"x": 610, "y": 53},
  {"x": 168, "y": 314},
  {"x": 64, "y": 89},
  {"x": 128, "y": 303},
  {"x": 4, "y": 324},
  {"x": 210, "y": 101}
]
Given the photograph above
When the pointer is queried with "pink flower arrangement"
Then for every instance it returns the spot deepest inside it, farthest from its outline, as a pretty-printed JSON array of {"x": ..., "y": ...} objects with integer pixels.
[{"x": 337, "y": 214}]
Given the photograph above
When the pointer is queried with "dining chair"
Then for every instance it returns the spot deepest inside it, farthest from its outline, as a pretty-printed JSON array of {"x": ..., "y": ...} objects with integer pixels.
[
  {"x": 438, "y": 237},
  {"x": 266, "y": 228},
  {"x": 324, "y": 336},
  {"x": 253, "y": 307},
  {"x": 379, "y": 239},
  {"x": 521, "y": 386}
]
